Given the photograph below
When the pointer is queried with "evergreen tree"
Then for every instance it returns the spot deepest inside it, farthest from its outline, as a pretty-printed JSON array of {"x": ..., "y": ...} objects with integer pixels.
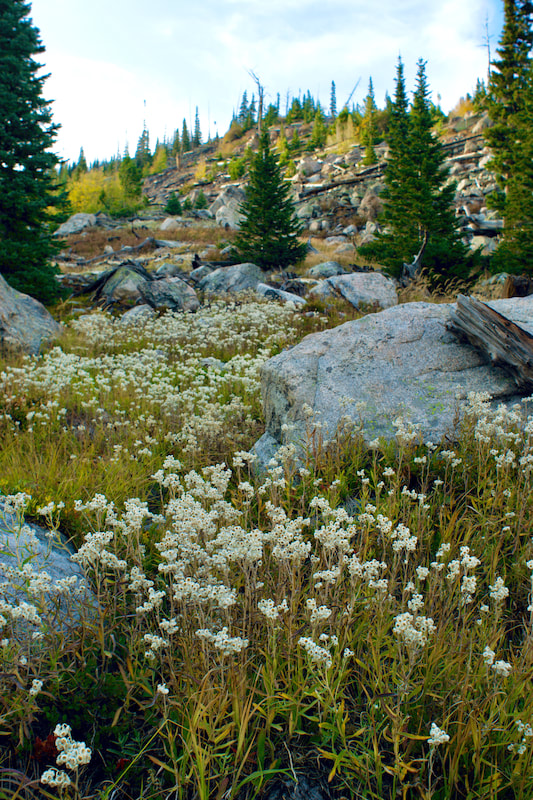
[
  {"x": 197, "y": 136},
  {"x": 29, "y": 189},
  {"x": 185, "y": 138},
  {"x": 269, "y": 230},
  {"x": 333, "y": 101},
  {"x": 81, "y": 166},
  {"x": 418, "y": 201},
  {"x": 319, "y": 132},
  {"x": 130, "y": 176},
  {"x": 369, "y": 127},
  {"x": 176, "y": 144},
  {"x": 509, "y": 101},
  {"x": 243, "y": 110},
  {"x": 143, "y": 156}
]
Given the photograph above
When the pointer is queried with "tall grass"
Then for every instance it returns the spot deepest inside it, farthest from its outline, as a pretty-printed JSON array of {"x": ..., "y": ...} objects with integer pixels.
[{"x": 363, "y": 614}]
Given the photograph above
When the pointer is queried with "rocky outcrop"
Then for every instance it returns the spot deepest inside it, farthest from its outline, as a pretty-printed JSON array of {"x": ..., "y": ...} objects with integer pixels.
[
  {"x": 225, "y": 208},
  {"x": 171, "y": 294},
  {"x": 326, "y": 270},
  {"x": 360, "y": 289},
  {"x": 400, "y": 361},
  {"x": 272, "y": 293},
  {"x": 238, "y": 278},
  {"x": 37, "y": 571},
  {"x": 75, "y": 224},
  {"x": 24, "y": 322}
]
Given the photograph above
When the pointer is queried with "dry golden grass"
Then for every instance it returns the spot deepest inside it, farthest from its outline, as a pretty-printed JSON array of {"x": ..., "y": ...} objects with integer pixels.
[{"x": 92, "y": 243}]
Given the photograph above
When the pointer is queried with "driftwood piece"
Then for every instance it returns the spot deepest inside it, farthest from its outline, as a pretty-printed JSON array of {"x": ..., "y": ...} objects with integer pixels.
[{"x": 501, "y": 341}]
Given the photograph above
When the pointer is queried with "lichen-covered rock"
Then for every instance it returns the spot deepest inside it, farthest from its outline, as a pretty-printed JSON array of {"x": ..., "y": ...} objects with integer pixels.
[
  {"x": 36, "y": 570},
  {"x": 360, "y": 289},
  {"x": 172, "y": 294},
  {"x": 271, "y": 293},
  {"x": 76, "y": 223},
  {"x": 24, "y": 322},
  {"x": 237, "y": 278},
  {"x": 400, "y": 361}
]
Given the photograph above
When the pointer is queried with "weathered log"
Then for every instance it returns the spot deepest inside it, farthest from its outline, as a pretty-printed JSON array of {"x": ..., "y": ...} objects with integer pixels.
[{"x": 502, "y": 342}]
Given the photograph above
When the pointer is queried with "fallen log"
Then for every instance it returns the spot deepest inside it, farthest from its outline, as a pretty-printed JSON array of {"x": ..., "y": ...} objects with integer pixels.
[{"x": 501, "y": 342}]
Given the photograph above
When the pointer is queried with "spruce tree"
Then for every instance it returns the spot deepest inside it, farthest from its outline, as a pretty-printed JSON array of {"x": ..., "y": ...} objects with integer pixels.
[
  {"x": 269, "y": 230},
  {"x": 418, "y": 199},
  {"x": 185, "y": 138},
  {"x": 197, "y": 136},
  {"x": 29, "y": 193},
  {"x": 369, "y": 133},
  {"x": 509, "y": 101},
  {"x": 333, "y": 101}
]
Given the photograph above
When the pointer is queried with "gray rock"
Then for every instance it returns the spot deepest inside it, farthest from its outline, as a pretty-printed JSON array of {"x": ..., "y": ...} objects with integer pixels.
[
  {"x": 200, "y": 272},
  {"x": 229, "y": 217},
  {"x": 272, "y": 293},
  {"x": 138, "y": 314},
  {"x": 28, "y": 557},
  {"x": 335, "y": 240},
  {"x": 123, "y": 286},
  {"x": 326, "y": 270},
  {"x": 225, "y": 208},
  {"x": 24, "y": 322},
  {"x": 370, "y": 206},
  {"x": 359, "y": 289},
  {"x": 171, "y": 294},
  {"x": 172, "y": 269},
  {"x": 238, "y": 278},
  {"x": 169, "y": 224},
  {"x": 401, "y": 361},
  {"x": 308, "y": 167},
  {"x": 75, "y": 224}
]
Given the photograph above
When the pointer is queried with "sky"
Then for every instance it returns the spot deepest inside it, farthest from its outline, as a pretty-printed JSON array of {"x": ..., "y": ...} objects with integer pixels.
[{"x": 115, "y": 64}]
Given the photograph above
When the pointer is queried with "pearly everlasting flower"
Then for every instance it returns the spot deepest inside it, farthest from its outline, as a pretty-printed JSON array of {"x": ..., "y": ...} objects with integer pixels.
[
  {"x": 56, "y": 777},
  {"x": 498, "y": 591},
  {"x": 319, "y": 655},
  {"x": 162, "y": 689},
  {"x": 36, "y": 687},
  {"x": 502, "y": 668},
  {"x": 437, "y": 736}
]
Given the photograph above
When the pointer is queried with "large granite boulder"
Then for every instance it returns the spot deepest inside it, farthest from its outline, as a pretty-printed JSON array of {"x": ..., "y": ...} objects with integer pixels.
[
  {"x": 360, "y": 289},
  {"x": 123, "y": 286},
  {"x": 225, "y": 208},
  {"x": 237, "y": 278},
  {"x": 272, "y": 293},
  {"x": 40, "y": 585},
  {"x": 327, "y": 269},
  {"x": 76, "y": 223},
  {"x": 24, "y": 322},
  {"x": 400, "y": 361},
  {"x": 171, "y": 294}
]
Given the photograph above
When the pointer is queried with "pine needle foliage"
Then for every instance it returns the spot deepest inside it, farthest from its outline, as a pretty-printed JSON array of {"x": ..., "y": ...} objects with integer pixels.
[
  {"x": 30, "y": 199},
  {"x": 268, "y": 235},
  {"x": 509, "y": 101},
  {"x": 418, "y": 196}
]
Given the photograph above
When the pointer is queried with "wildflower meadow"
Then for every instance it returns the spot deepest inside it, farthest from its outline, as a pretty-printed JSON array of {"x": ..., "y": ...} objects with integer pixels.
[{"x": 361, "y": 612}]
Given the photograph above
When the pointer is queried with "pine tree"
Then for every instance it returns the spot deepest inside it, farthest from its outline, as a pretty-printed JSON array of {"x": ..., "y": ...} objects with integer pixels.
[
  {"x": 29, "y": 188},
  {"x": 333, "y": 101},
  {"x": 269, "y": 230},
  {"x": 185, "y": 138},
  {"x": 369, "y": 134},
  {"x": 143, "y": 155},
  {"x": 197, "y": 136},
  {"x": 509, "y": 101},
  {"x": 418, "y": 201},
  {"x": 243, "y": 110}
]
